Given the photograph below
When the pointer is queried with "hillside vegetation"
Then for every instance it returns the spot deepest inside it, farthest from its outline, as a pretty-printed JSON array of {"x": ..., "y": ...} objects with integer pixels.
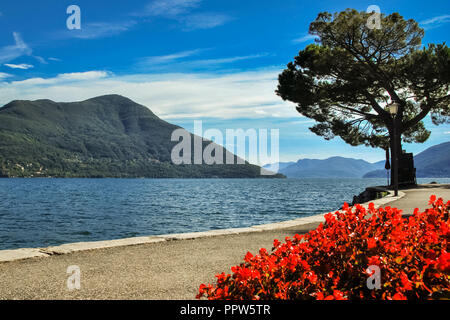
[{"x": 107, "y": 136}]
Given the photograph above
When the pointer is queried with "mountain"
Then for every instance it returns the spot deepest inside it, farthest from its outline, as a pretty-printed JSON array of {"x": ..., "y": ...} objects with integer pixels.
[
  {"x": 433, "y": 162},
  {"x": 107, "y": 136},
  {"x": 277, "y": 166},
  {"x": 334, "y": 167}
]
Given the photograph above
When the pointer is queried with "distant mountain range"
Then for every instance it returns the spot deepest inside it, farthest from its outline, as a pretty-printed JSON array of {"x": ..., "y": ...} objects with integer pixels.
[
  {"x": 433, "y": 162},
  {"x": 107, "y": 136},
  {"x": 334, "y": 167}
]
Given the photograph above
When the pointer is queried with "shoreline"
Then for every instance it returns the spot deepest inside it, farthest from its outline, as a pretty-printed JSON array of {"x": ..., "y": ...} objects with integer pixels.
[
  {"x": 43, "y": 252},
  {"x": 163, "y": 270}
]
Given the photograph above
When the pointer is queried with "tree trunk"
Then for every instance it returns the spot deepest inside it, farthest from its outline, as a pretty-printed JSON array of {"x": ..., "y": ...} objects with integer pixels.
[{"x": 395, "y": 142}]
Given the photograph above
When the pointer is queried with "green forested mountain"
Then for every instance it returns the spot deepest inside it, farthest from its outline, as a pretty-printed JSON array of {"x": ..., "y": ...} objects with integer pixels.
[{"x": 107, "y": 136}]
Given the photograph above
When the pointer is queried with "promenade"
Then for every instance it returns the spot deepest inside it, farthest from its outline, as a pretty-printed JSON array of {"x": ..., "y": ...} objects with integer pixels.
[{"x": 172, "y": 268}]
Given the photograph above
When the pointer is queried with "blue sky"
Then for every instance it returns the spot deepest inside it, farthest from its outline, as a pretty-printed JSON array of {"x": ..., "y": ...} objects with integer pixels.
[{"x": 187, "y": 60}]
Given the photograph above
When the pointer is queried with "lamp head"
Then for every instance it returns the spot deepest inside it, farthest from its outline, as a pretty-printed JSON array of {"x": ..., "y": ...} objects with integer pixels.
[{"x": 393, "y": 108}]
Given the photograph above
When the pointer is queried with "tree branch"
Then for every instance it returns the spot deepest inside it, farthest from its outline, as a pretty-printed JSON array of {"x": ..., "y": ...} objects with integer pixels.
[{"x": 422, "y": 114}]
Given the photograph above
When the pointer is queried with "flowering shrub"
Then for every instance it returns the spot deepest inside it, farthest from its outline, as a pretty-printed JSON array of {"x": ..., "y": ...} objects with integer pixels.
[{"x": 331, "y": 262}]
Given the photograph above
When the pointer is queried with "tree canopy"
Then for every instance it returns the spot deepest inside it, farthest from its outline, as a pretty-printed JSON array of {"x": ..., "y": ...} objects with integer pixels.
[{"x": 345, "y": 79}]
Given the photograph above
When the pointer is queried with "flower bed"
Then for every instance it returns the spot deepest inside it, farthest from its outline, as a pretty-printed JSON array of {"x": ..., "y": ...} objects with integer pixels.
[{"x": 332, "y": 262}]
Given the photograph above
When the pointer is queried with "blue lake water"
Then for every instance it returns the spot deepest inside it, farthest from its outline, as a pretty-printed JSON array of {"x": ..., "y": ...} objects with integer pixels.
[{"x": 43, "y": 212}]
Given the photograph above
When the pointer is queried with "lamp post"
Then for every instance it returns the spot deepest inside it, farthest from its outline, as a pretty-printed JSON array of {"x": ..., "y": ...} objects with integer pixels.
[{"x": 393, "y": 109}]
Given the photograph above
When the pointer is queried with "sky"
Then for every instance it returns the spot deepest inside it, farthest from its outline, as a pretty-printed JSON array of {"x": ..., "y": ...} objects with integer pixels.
[{"x": 209, "y": 60}]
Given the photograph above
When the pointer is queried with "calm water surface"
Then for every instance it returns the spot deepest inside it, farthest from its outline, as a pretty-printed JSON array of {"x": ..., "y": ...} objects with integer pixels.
[{"x": 43, "y": 212}]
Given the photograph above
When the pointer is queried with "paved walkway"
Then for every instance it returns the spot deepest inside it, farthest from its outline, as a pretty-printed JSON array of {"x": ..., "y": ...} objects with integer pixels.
[
  {"x": 164, "y": 270},
  {"x": 419, "y": 197}
]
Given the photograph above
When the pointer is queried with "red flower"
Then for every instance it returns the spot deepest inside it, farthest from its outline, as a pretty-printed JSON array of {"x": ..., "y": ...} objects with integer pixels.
[
  {"x": 432, "y": 199},
  {"x": 319, "y": 296},
  {"x": 371, "y": 243},
  {"x": 338, "y": 295},
  {"x": 399, "y": 296},
  {"x": 443, "y": 262},
  {"x": 411, "y": 253},
  {"x": 276, "y": 243},
  {"x": 405, "y": 281},
  {"x": 374, "y": 260}
]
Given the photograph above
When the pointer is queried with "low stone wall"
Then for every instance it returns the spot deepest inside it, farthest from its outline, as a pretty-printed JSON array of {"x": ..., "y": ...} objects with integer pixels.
[{"x": 371, "y": 193}]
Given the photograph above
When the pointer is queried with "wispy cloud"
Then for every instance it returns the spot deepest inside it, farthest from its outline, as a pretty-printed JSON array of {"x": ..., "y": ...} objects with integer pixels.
[
  {"x": 178, "y": 10},
  {"x": 94, "y": 30},
  {"x": 182, "y": 62},
  {"x": 169, "y": 8},
  {"x": 22, "y": 66},
  {"x": 40, "y": 59},
  {"x": 63, "y": 78},
  {"x": 221, "y": 61},
  {"x": 248, "y": 94},
  {"x": 158, "y": 60},
  {"x": 204, "y": 21},
  {"x": 305, "y": 38},
  {"x": 18, "y": 49},
  {"x": 82, "y": 76},
  {"x": 181, "y": 11},
  {"x": 435, "y": 22},
  {"x": 4, "y": 75},
  {"x": 301, "y": 122}
]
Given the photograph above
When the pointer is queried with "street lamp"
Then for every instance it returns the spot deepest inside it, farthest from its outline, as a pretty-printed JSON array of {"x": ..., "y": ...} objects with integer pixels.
[{"x": 393, "y": 110}]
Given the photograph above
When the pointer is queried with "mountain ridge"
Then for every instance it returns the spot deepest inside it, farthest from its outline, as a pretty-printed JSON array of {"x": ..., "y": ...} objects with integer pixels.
[
  {"x": 432, "y": 162},
  {"x": 105, "y": 136},
  {"x": 332, "y": 167}
]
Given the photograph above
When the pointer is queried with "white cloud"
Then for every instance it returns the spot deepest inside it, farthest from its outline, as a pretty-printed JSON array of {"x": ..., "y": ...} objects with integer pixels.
[
  {"x": 204, "y": 21},
  {"x": 169, "y": 8},
  {"x": 60, "y": 79},
  {"x": 4, "y": 75},
  {"x": 220, "y": 61},
  {"x": 80, "y": 76},
  {"x": 305, "y": 38},
  {"x": 94, "y": 30},
  {"x": 11, "y": 52},
  {"x": 156, "y": 60},
  {"x": 177, "y": 62},
  {"x": 40, "y": 59},
  {"x": 181, "y": 11},
  {"x": 23, "y": 66},
  {"x": 247, "y": 94},
  {"x": 301, "y": 122},
  {"x": 435, "y": 21}
]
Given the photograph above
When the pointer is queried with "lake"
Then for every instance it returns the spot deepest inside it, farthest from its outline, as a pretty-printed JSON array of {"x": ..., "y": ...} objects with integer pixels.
[{"x": 41, "y": 212}]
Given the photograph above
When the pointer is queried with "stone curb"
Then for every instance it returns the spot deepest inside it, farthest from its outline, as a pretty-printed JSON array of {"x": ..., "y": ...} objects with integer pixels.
[{"x": 27, "y": 253}]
